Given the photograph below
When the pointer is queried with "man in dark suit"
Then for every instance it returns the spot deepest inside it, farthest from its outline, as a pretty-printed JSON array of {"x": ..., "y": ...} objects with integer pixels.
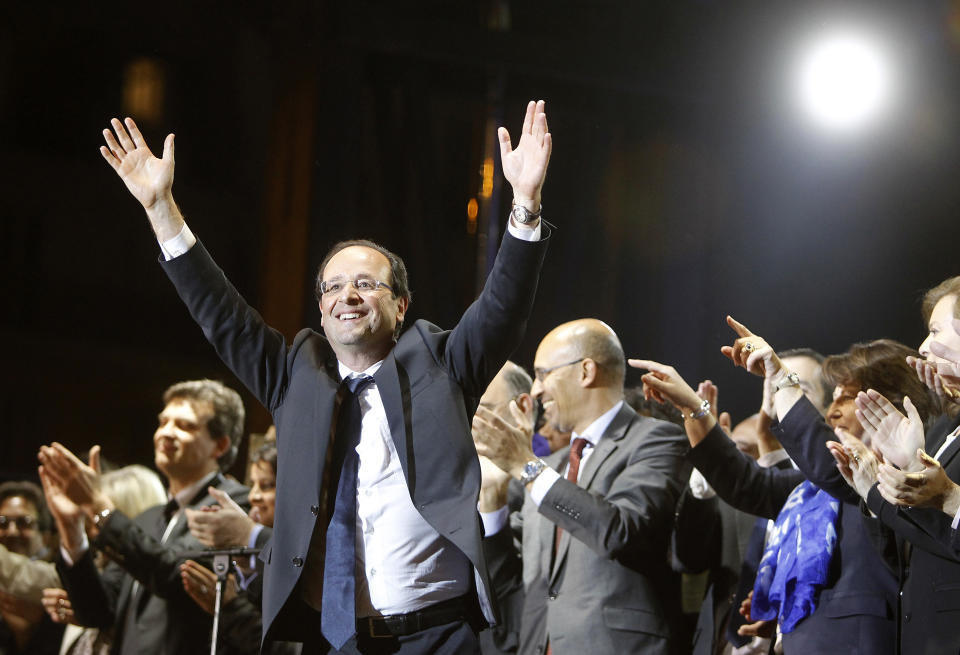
[
  {"x": 139, "y": 594},
  {"x": 597, "y": 516},
  {"x": 420, "y": 582}
]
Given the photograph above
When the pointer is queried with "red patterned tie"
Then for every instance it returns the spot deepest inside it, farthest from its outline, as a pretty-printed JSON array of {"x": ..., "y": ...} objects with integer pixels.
[{"x": 573, "y": 470}]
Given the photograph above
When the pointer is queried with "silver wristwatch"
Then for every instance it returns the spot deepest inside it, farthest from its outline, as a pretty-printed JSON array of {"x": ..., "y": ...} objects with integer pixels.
[
  {"x": 522, "y": 215},
  {"x": 531, "y": 470},
  {"x": 789, "y": 380}
]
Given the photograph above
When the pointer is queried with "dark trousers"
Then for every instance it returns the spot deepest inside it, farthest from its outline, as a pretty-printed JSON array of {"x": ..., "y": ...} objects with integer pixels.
[{"x": 457, "y": 638}]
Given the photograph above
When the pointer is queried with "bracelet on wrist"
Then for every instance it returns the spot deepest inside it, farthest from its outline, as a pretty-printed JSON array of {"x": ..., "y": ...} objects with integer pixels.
[{"x": 699, "y": 413}]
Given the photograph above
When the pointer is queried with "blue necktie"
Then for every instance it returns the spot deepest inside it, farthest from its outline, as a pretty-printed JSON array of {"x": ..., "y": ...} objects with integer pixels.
[{"x": 338, "y": 621}]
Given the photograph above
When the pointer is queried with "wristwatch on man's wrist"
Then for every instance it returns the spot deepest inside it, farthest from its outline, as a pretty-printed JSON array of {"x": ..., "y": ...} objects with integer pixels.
[
  {"x": 522, "y": 215},
  {"x": 788, "y": 380},
  {"x": 531, "y": 470}
]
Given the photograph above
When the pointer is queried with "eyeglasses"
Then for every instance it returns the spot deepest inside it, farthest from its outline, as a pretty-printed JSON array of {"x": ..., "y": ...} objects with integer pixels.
[
  {"x": 22, "y": 522},
  {"x": 542, "y": 373},
  {"x": 363, "y": 285}
]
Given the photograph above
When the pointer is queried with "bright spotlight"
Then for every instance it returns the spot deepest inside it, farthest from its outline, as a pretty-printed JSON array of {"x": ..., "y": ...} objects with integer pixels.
[{"x": 844, "y": 82}]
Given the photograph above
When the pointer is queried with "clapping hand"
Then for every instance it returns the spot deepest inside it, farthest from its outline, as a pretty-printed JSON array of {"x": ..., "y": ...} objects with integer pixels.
[
  {"x": 857, "y": 464},
  {"x": 896, "y": 436}
]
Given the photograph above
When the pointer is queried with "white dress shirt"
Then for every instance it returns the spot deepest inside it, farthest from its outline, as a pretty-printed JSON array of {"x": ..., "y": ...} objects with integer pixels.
[{"x": 402, "y": 563}]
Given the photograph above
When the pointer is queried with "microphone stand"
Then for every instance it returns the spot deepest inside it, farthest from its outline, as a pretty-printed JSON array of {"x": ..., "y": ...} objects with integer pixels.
[{"x": 222, "y": 561}]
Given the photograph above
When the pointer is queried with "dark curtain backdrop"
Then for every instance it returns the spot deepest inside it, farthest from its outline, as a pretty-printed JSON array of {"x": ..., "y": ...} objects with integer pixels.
[{"x": 681, "y": 185}]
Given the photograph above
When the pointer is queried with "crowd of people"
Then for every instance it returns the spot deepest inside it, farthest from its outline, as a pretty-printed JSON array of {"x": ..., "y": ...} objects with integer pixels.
[{"x": 424, "y": 494}]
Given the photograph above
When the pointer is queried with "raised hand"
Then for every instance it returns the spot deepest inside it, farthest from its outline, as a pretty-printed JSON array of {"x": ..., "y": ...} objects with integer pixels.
[
  {"x": 57, "y": 604},
  {"x": 507, "y": 445},
  {"x": 149, "y": 179},
  {"x": 896, "y": 436},
  {"x": 751, "y": 352},
  {"x": 708, "y": 391},
  {"x": 200, "y": 583},
  {"x": 857, "y": 463},
  {"x": 220, "y": 526},
  {"x": 79, "y": 482},
  {"x": 526, "y": 166},
  {"x": 928, "y": 488}
]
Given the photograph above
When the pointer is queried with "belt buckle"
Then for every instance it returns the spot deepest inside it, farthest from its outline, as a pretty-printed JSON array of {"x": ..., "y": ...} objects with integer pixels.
[{"x": 371, "y": 629}]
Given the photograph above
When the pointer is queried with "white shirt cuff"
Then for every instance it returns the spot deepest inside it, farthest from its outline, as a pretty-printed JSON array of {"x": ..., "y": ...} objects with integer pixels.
[
  {"x": 178, "y": 245},
  {"x": 254, "y": 533},
  {"x": 699, "y": 486},
  {"x": 493, "y": 522},
  {"x": 956, "y": 520},
  {"x": 542, "y": 485},
  {"x": 81, "y": 551},
  {"x": 772, "y": 458},
  {"x": 525, "y": 234}
]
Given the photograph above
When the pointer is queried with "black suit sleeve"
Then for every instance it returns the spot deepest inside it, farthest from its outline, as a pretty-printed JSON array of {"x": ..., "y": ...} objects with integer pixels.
[
  {"x": 925, "y": 528},
  {"x": 154, "y": 565},
  {"x": 804, "y": 435},
  {"x": 254, "y": 352},
  {"x": 739, "y": 480},
  {"x": 493, "y": 326},
  {"x": 695, "y": 540},
  {"x": 93, "y": 594}
]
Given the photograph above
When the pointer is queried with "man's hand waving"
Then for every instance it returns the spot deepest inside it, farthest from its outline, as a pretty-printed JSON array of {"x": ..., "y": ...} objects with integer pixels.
[
  {"x": 148, "y": 178},
  {"x": 526, "y": 166}
]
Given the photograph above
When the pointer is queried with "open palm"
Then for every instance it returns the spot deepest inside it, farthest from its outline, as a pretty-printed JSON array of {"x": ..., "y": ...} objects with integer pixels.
[
  {"x": 896, "y": 436},
  {"x": 147, "y": 177}
]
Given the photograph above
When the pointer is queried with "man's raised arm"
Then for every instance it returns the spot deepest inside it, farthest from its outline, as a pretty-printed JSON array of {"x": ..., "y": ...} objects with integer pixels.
[{"x": 149, "y": 179}]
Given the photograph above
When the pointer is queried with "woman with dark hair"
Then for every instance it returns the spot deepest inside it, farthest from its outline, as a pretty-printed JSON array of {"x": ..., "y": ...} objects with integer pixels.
[{"x": 822, "y": 575}]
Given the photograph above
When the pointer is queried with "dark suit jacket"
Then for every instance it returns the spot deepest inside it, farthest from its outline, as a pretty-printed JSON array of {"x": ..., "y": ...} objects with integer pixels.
[
  {"x": 610, "y": 588},
  {"x": 429, "y": 383},
  {"x": 855, "y": 609},
  {"x": 710, "y": 535},
  {"x": 168, "y": 621},
  {"x": 930, "y": 574}
]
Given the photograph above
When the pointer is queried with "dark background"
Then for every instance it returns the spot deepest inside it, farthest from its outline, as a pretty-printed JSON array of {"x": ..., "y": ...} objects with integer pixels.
[{"x": 683, "y": 184}]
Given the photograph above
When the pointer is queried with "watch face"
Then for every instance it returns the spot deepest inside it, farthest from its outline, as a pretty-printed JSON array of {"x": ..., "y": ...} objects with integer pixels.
[{"x": 520, "y": 214}]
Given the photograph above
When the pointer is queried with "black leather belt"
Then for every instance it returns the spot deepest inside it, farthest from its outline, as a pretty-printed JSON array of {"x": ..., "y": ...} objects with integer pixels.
[{"x": 399, "y": 625}]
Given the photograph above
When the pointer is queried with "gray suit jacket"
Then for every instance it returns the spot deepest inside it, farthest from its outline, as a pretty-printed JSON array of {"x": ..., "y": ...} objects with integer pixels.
[{"x": 610, "y": 588}]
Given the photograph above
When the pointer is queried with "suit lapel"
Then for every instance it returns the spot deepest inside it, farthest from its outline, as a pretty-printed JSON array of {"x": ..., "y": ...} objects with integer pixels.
[
  {"x": 608, "y": 445},
  {"x": 388, "y": 384},
  {"x": 548, "y": 528}
]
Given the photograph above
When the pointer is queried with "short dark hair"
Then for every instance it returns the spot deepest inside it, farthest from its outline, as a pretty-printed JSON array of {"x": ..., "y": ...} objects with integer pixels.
[
  {"x": 266, "y": 453},
  {"x": 603, "y": 347},
  {"x": 398, "y": 270},
  {"x": 819, "y": 358},
  {"x": 518, "y": 381},
  {"x": 228, "y": 412},
  {"x": 634, "y": 397},
  {"x": 881, "y": 365},
  {"x": 949, "y": 287},
  {"x": 32, "y": 494}
]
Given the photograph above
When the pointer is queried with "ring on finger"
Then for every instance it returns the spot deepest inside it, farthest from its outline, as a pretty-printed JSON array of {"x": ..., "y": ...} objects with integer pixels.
[
  {"x": 749, "y": 347},
  {"x": 203, "y": 589}
]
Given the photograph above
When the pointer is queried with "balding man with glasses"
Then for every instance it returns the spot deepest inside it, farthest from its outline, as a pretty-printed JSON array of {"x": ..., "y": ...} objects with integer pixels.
[{"x": 377, "y": 542}]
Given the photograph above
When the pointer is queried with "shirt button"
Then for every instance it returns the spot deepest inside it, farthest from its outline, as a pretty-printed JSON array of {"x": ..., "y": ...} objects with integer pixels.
[
  {"x": 315, "y": 510},
  {"x": 373, "y": 571},
  {"x": 368, "y": 492},
  {"x": 297, "y": 561}
]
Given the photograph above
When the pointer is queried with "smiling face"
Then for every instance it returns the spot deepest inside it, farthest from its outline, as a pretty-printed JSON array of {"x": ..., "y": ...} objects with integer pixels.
[
  {"x": 558, "y": 390},
  {"x": 354, "y": 321},
  {"x": 263, "y": 493},
  {"x": 19, "y": 528},
  {"x": 941, "y": 328},
  {"x": 842, "y": 411},
  {"x": 184, "y": 450}
]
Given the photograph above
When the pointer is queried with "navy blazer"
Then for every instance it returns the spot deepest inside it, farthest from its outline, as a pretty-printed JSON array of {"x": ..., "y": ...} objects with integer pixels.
[
  {"x": 856, "y": 608},
  {"x": 429, "y": 383},
  {"x": 930, "y": 573}
]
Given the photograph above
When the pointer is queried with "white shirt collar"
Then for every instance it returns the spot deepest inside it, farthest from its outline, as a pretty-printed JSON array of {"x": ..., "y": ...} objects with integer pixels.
[
  {"x": 596, "y": 429},
  {"x": 188, "y": 493},
  {"x": 346, "y": 371}
]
